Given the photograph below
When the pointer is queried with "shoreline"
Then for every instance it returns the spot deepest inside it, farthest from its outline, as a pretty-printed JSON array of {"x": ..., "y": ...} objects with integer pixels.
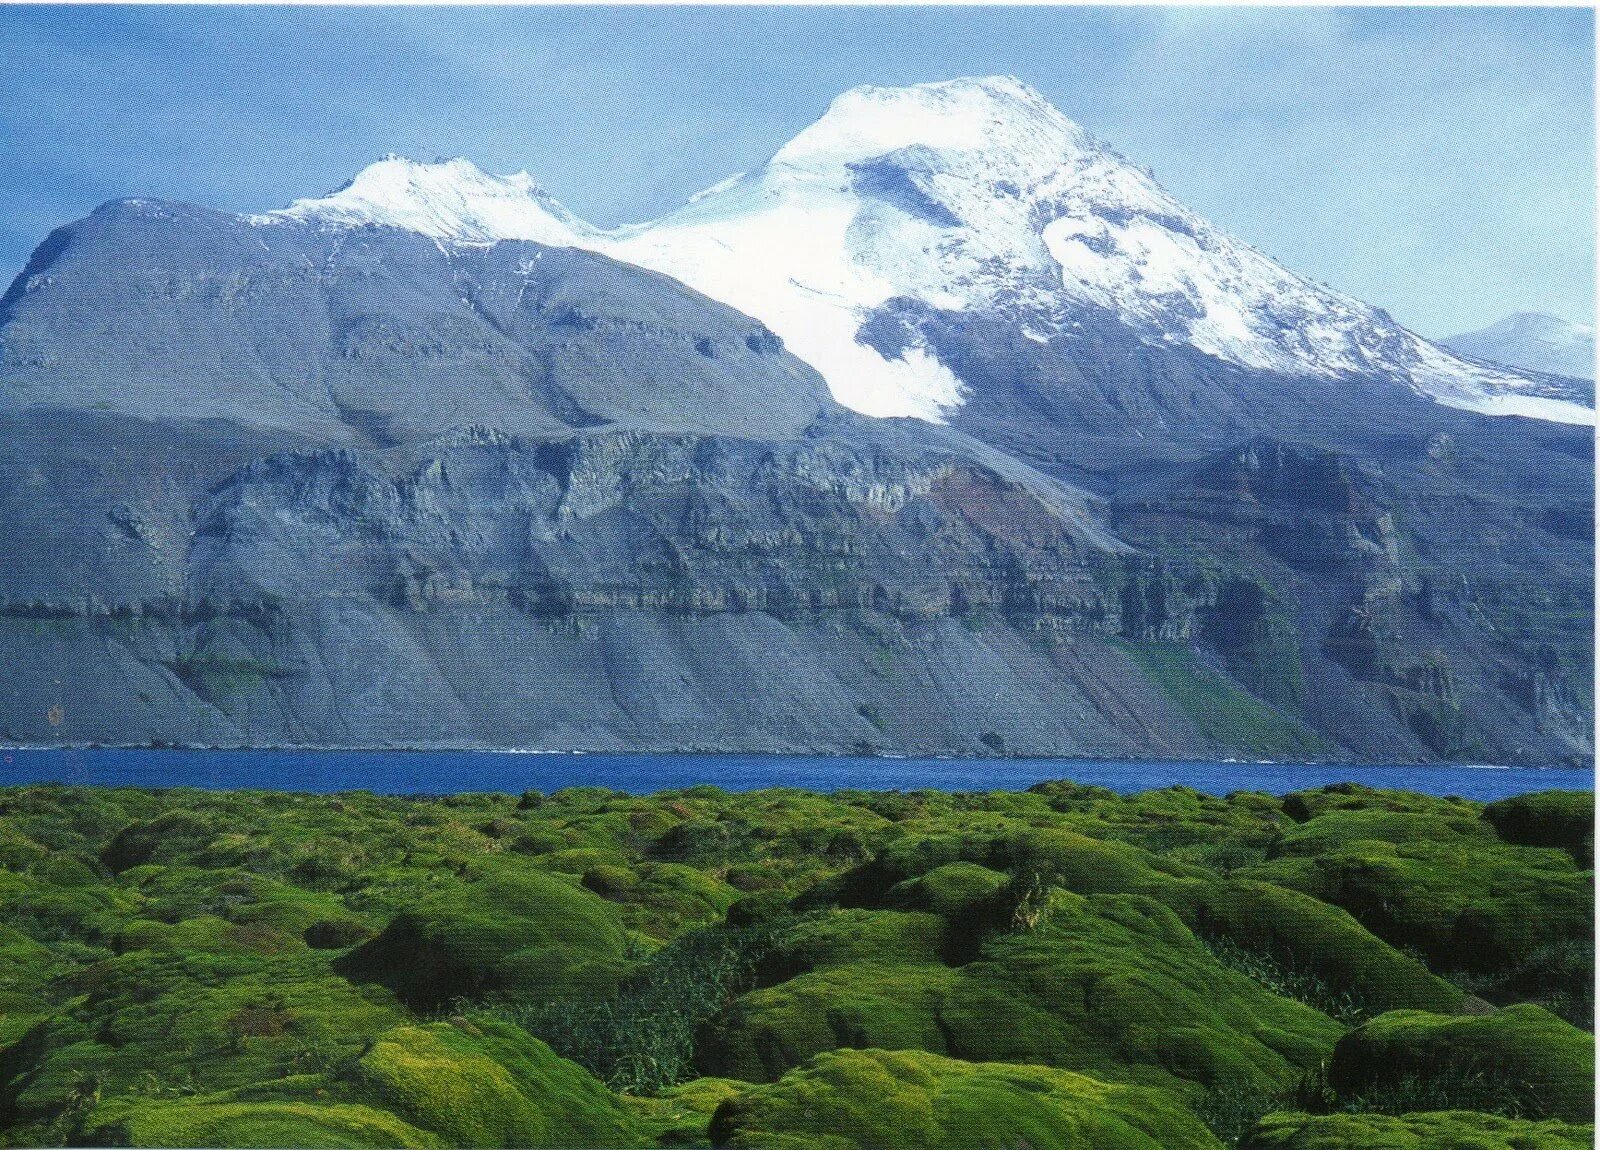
[
  {"x": 419, "y": 773},
  {"x": 697, "y": 753}
]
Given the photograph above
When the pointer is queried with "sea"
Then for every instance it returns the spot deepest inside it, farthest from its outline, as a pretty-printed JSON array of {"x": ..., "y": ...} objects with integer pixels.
[{"x": 456, "y": 772}]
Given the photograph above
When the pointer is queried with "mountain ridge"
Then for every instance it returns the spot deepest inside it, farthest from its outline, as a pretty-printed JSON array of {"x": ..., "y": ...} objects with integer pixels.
[{"x": 966, "y": 194}]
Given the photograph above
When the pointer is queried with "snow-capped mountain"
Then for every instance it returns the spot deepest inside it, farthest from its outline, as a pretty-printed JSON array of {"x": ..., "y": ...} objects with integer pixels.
[
  {"x": 1533, "y": 341},
  {"x": 965, "y": 196},
  {"x": 414, "y": 433},
  {"x": 451, "y": 200}
]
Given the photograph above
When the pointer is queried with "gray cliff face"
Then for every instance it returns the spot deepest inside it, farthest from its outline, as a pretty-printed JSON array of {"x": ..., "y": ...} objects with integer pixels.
[
  {"x": 1427, "y": 583},
  {"x": 282, "y": 485},
  {"x": 610, "y": 590}
]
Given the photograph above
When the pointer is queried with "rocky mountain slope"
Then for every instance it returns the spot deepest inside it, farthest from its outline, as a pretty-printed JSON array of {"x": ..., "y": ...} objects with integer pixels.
[{"x": 431, "y": 462}]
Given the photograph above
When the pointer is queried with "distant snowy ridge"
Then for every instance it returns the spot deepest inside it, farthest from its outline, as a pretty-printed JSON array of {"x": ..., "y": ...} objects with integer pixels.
[
  {"x": 452, "y": 200},
  {"x": 964, "y": 195},
  {"x": 1533, "y": 341}
]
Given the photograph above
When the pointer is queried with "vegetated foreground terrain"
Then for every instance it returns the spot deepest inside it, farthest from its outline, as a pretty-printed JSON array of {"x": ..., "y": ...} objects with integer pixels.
[{"x": 1063, "y": 967}]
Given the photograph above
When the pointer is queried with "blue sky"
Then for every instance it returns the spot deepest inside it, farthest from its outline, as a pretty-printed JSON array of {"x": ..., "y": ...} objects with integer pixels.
[{"x": 1436, "y": 162}]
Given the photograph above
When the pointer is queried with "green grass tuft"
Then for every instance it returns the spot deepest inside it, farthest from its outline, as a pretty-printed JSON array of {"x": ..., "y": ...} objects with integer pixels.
[{"x": 641, "y": 1039}]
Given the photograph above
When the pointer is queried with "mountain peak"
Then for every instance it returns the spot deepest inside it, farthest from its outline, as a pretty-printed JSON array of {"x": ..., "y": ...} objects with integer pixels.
[
  {"x": 998, "y": 96},
  {"x": 1540, "y": 323},
  {"x": 447, "y": 199},
  {"x": 1533, "y": 341},
  {"x": 990, "y": 114}
]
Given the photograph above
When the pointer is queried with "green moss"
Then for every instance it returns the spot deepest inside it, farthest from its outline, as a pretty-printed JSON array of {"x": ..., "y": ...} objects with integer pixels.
[
  {"x": 1220, "y": 833},
  {"x": 48, "y": 912},
  {"x": 60, "y": 1084},
  {"x": 1431, "y": 875},
  {"x": 453, "y": 1087},
  {"x": 1450, "y": 1130},
  {"x": 1115, "y": 985},
  {"x": 947, "y": 890},
  {"x": 469, "y": 1082},
  {"x": 1341, "y": 828},
  {"x": 176, "y": 1022},
  {"x": 233, "y": 966},
  {"x": 886, "y": 1100},
  {"x": 1546, "y": 1063},
  {"x": 1297, "y": 930},
  {"x": 199, "y": 1122},
  {"x": 1563, "y": 819},
  {"x": 27, "y": 968},
  {"x": 1303, "y": 805},
  {"x": 335, "y": 934},
  {"x": 583, "y": 860},
  {"x": 171, "y": 835},
  {"x": 835, "y": 938},
  {"x": 482, "y": 1082},
  {"x": 1466, "y": 901},
  {"x": 527, "y": 935},
  {"x": 681, "y": 1115},
  {"x": 767, "y": 1032},
  {"x": 1125, "y": 983},
  {"x": 612, "y": 881},
  {"x": 680, "y": 896},
  {"x": 1067, "y": 858}
]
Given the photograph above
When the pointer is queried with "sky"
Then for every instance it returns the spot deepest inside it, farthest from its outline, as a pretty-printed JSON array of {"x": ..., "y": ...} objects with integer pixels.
[{"x": 1437, "y": 162}]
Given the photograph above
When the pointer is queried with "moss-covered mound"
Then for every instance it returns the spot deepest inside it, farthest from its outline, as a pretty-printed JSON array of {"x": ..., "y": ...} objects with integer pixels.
[
  {"x": 268, "y": 1125},
  {"x": 1068, "y": 858},
  {"x": 1303, "y": 932},
  {"x": 1563, "y": 819},
  {"x": 197, "y": 1022},
  {"x": 1461, "y": 897},
  {"x": 531, "y": 935},
  {"x": 956, "y": 874},
  {"x": 1113, "y": 984},
  {"x": 260, "y": 968},
  {"x": 1303, "y": 805},
  {"x": 842, "y": 937},
  {"x": 480, "y": 1082},
  {"x": 947, "y": 890},
  {"x": 883, "y": 1100},
  {"x": 1341, "y": 827},
  {"x": 1544, "y": 1064},
  {"x": 1448, "y": 1130},
  {"x": 470, "y": 1082}
]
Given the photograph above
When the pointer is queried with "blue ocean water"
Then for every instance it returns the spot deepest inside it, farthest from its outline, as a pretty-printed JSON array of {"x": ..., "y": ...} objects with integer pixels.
[{"x": 452, "y": 772}]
